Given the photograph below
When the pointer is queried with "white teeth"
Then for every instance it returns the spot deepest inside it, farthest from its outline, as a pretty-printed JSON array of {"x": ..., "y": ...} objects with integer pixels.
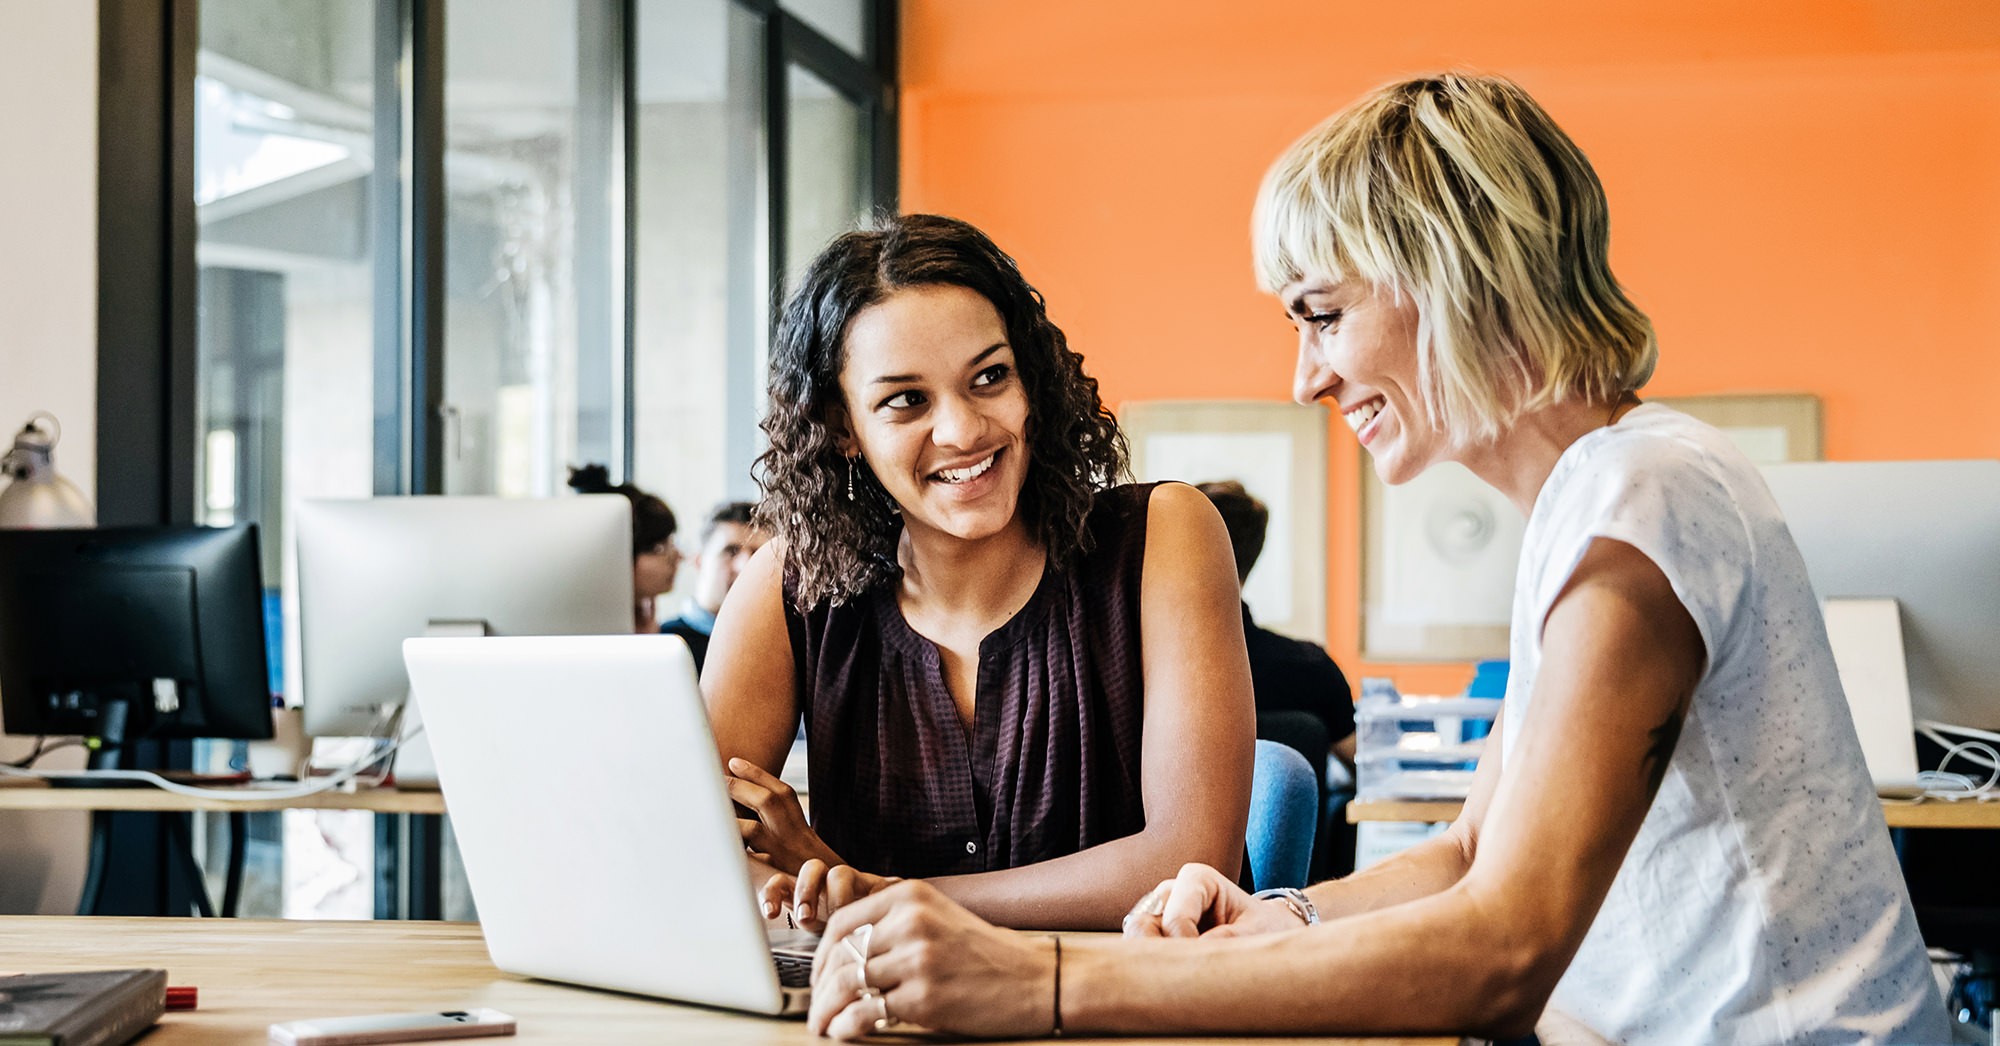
[
  {"x": 964, "y": 474},
  {"x": 1362, "y": 415}
]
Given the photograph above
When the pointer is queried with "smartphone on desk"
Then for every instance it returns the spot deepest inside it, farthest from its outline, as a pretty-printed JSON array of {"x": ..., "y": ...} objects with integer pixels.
[{"x": 392, "y": 1027}]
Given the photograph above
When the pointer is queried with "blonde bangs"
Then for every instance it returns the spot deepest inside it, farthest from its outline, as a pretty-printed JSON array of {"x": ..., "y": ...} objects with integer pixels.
[{"x": 1310, "y": 218}]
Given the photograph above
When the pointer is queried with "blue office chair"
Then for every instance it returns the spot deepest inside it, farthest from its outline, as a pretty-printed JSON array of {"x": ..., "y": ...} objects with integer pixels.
[{"x": 1284, "y": 814}]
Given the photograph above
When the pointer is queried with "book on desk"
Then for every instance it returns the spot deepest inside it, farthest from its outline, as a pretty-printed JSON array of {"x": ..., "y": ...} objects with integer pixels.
[{"x": 90, "y": 1008}]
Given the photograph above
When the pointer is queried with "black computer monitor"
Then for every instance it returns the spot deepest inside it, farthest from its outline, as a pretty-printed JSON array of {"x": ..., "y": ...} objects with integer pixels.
[{"x": 133, "y": 632}]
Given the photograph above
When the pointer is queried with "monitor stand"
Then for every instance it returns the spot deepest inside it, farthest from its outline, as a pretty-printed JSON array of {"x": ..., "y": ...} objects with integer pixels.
[
  {"x": 154, "y": 852},
  {"x": 414, "y": 767}
]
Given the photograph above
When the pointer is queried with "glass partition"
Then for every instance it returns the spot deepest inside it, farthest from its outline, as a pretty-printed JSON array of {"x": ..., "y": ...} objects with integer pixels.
[
  {"x": 286, "y": 257},
  {"x": 701, "y": 230}
]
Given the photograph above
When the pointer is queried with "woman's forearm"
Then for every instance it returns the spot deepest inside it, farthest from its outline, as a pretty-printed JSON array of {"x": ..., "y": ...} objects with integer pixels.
[
  {"x": 1088, "y": 890},
  {"x": 1430, "y": 867},
  {"x": 1440, "y": 964}
]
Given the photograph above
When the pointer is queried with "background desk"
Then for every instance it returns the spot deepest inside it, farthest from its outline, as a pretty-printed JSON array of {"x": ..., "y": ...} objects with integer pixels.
[
  {"x": 36, "y": 796},
  {"x": 1929, "y": 814},
  {"x": 255, "y": 973},
  {"x": 418, "y": 893}
]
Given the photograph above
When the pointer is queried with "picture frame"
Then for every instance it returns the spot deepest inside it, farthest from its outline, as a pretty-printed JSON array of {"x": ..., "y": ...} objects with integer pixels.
[
  {"x": 1769, "y": 427},
  {"x": 1278, "y": 451},
  {"x": 1438, "y": 556}
]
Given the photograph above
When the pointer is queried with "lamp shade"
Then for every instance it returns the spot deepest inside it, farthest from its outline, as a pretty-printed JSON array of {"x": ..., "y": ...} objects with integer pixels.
[{"x": 38, "y": 498}]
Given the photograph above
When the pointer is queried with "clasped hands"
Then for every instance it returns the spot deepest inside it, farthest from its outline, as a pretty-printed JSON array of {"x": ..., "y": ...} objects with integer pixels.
[{"x": 1202, "y": 902}]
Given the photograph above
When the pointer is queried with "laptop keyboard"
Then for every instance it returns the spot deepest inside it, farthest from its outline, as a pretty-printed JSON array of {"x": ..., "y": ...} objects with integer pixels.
[{"x": 794, "y": 971}]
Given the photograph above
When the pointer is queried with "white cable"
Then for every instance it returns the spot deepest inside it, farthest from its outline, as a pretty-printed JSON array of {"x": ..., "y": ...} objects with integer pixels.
[
  {"x": 1985, "y": 754},
  {"x": 234, "y": 795},
  {"x": 1954, "y": 728},
  {"x": 1947, "y": 785}
]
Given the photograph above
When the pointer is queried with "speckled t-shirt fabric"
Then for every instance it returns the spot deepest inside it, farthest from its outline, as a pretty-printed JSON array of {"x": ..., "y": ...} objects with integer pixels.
[
  {"x": 1051, "y": 765},
  {"x": 1761, "y": 901}
]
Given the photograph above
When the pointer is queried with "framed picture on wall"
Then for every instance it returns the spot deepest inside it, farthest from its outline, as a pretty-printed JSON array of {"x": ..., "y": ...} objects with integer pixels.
[
  {"x": 1770, "y": 428},
  {"x": 1438, "y": 553},
  {"x": 1278, "y": 452},
  {"x": 1437, "y": 566}
]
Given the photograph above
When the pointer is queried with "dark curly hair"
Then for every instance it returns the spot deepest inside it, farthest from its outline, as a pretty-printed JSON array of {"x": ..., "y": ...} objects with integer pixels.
[{"x": 839, "y": 548}]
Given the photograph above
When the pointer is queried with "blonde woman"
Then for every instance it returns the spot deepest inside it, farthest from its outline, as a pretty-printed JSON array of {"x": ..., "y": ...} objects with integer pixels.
[{"x": 1672, "y": 837}]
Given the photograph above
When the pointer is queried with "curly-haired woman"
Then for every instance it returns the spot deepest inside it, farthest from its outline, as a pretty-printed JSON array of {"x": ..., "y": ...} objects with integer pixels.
[{"x": 1018, "y": 683}]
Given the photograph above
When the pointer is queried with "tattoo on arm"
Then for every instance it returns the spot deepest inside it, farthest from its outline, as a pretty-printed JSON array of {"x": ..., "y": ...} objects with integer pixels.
[{"x": 1661, "y": 749}]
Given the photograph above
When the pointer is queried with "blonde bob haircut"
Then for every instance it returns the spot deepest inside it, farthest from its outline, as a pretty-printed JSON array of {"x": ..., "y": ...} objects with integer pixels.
[{"x": 1460, "y": 192}]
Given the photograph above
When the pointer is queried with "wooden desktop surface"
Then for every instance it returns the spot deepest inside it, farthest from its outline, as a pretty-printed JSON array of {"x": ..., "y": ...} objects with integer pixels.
[
  {"x": 1930, "y": 813},
  {"x": 252, "y": 974},
  {"x": 25, "y": 794}
]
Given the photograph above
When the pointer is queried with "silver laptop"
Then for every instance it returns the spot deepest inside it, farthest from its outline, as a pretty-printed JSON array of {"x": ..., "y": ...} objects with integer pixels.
[{"x": 599, "y": 840}]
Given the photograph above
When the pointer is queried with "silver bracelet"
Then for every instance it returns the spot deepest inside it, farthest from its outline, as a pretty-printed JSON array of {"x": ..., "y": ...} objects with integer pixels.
[{"x": 1293, "y": 898}]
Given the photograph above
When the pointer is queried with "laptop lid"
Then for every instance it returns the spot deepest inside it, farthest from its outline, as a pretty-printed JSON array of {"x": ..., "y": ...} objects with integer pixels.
[
  {"x": 588, "y": 801},
  {"x": 1867, "y": 640}
]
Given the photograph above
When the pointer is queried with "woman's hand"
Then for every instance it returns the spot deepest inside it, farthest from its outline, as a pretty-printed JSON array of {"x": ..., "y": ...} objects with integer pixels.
[
  {"x": 818, "y": 891},
  {"x": 926, "y": 961},
  {"x": 1203, "y": 902},
  {"x": 778, "y": 833}
]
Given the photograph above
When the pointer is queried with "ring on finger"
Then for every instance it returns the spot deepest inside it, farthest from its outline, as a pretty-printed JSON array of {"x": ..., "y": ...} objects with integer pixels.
[
  {"x": 883, "y": 1022},
  {"x": 1153, "y": 903},
  {"x": 865, "y": 931}
]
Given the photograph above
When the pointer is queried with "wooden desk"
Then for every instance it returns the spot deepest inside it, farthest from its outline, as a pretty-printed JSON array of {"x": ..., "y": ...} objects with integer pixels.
[
  {"x": 1926, "y": 814},
  {"x": 34, "y": 795},
  {"x": 254, "y": 973}
]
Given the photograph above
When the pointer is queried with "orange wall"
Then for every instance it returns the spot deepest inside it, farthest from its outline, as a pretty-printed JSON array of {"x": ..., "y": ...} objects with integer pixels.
[{"x": 1803, "y": 196}]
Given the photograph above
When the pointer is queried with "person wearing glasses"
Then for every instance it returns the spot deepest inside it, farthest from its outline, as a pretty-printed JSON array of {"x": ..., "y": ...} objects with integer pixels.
[
  {"x": 1671, "y": 836},
  {"x": 655, "y": 559}
]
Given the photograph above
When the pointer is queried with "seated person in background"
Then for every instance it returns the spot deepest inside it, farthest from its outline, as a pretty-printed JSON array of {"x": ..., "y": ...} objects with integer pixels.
[
  {"x": 1302, "y": 698},
  {"x": 1288, "y": 675},
  {"x": 1018, "y": 683},
  {"x": 1671, "y": 836},
  {"x": 654, "y": 557},
  {"x": 728, "y": 540}
]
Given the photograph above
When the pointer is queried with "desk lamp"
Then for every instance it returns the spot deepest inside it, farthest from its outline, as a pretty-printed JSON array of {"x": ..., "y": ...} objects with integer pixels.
[{"x": 39, "y": 498}]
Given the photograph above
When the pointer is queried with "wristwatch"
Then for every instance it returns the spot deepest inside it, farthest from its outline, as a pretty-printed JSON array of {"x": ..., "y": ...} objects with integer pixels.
[{"x": 1293, "y": 898}]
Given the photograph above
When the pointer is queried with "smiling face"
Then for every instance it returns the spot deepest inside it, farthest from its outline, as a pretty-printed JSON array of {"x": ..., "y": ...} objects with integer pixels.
[
  {"x": 1358, "y": 352},
  {"x": 937, "y": 411}
]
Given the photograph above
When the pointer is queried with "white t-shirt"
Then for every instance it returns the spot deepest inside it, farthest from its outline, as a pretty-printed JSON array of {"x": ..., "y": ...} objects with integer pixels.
[{"x": 1761, "y": 901}]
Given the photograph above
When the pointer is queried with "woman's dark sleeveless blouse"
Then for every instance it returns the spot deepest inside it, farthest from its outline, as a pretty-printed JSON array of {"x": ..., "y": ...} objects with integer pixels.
[{"x": 1051, "y": 764}]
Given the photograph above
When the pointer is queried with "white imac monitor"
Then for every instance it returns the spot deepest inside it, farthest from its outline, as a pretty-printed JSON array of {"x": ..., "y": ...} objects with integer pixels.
[
  {"x": 372, "y": 573},
  {"x": 1926, "y": 534}
]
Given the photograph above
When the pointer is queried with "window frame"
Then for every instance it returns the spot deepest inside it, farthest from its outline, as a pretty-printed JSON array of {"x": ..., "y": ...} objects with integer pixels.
[
  {"x": 146, "y": 238},
  {"x": 147, "y": 231}
]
